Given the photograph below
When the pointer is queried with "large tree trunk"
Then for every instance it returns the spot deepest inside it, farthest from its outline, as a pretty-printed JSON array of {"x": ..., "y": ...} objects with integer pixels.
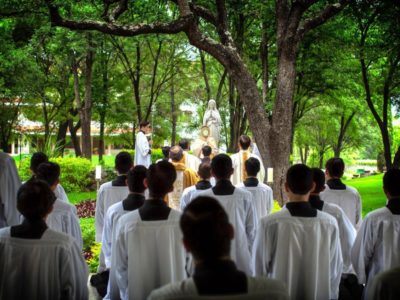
[
  {"x": 61, "y": 137},
  {"x": 173, "y": 113},
  {"x": 74, "y": 138}
]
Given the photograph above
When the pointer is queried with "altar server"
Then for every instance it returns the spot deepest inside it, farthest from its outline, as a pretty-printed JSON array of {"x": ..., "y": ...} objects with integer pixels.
[
  {"x": 63, "y": 217},
  {"x": 299, "y": 244},
  {"x": 190, "y": 193},
  {"x": 336, "y": 192},
  {"x": 239, "y": 206},
  {"x": 262, "y": 193},
  {"x": 38, "y": 158},
  {"x": 238, "y": 160},
  {"x": 112, "y": 191},
  {"x": 191, "y": 161},
  {"x": 9, "y": 185},
  {"x": 377, "y": 246},
  {"x": 147, "y": 251},
  {"x": 347, "y": 232},
  {"x": 142, "y": 145},
  {"x": 36, "y": 262},
  {"x": 207, "y": 234}
]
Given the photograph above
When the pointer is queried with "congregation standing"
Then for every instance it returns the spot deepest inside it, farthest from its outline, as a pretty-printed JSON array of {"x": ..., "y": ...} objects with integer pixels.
[{"x": 217, "y": 236}]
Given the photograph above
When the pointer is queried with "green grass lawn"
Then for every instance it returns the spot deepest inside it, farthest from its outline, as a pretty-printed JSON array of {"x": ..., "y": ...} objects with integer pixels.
[
  {"x": 76, "y": 198},
  {"x": 370, "y": 189}
]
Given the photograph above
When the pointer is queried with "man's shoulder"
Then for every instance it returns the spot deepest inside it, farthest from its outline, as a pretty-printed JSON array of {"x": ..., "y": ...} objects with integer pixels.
[
  {"x": 274, "y": 289},
  {"x": 61, "y": 205},
  {"x": 105, "y": 185},
  {"x": 116, "y": 207},
  {"x": 178, "y": 290},
  {"x": 377, "y": 214}
]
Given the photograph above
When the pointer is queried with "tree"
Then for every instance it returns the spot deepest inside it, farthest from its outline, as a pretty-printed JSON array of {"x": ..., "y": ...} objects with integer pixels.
[{"x": 293, "y": 23}]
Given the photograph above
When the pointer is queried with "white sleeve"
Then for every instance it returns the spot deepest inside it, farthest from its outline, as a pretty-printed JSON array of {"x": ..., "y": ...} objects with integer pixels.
[
  {"x": 260, "y": 255},
  {"x": 347, "y": 236},
  {"x": 251, "y": 220},
  {"x": 107, "y": 238},
  {"x": 74, "y": 274},
  {"x": 75, "y": 229},
  {"x": 336, "y": 264},
  {"x": 362, "y": 251},
  {"x": 184, "y": 199},
  {"x": 99, "y": 215},
  {"x": 358, "y": 212},
  {"x": 143, "y": 144},
  {"x": 119, "y": 265},
  {"x": 261, "y": 174},
  {"x": 270, "y": 201}
]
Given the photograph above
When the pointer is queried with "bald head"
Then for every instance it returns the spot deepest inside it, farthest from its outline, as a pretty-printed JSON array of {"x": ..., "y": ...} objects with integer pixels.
[{"x": 176, "y": 153}]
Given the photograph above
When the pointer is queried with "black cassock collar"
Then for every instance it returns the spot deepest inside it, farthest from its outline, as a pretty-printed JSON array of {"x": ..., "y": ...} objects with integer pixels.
[
  {"x": 223, "y": 187},
  {"x": 316, "y": 202},
  {"x": 154, "y": 210},
  {"x": 301, "y": 209},
  {"x": 133, "y": 201},
  {"x": 394, "y": 205},
  {"x": 29, "y": 229},
  {"x": 336, "y": 184}
]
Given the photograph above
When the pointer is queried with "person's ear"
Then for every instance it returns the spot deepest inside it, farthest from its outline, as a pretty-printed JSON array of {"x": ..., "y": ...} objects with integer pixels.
[
  {"x": 171, "y": 189},
  {"x": 231, "y": 172},
  {"x": 287, "y": 187},
  {"x": 313, "y": 187},
  {"x": 186, "y": 245},
  {"x": 231, "y": 232},
  {"x": 323, "y": 189},
  {"x": 146, "y": 183}
]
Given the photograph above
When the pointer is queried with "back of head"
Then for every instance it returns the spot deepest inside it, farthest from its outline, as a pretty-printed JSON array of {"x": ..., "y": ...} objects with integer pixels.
[
  {"x": 123, "y": 162},
  {"x": 206, "y": 150},
  {"x": 252, "y": 166},
  {"x": 204, "y": 171},
  {"x": 176, "y": 153},
  {"x": 299, "y": 179},
  {"x": 144, "y": 124},
  {"x": 165, "y": 151},
  {"x": 221, "y": 166},
  {"x": 206, "y": 229},
  {"x": 244, "y": 142},
  {"x": 36, "y": 159},
  {"x": 391, "y": 183},
  {"x": 184, "y": 144},
  {"x": 319, "y": 180},
  {"x": 48, "y": 172},
  {"x": 135, "y": 178},
  {"x": 335, "y": 167},
  {"x": 160, "y": 179},
  {"x": 35, "y": 199}
]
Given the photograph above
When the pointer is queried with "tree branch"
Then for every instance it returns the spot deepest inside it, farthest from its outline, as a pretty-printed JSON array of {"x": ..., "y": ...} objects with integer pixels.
[
  {"x": 172, "y": 27},
  {"x": 324, "y": 15}
]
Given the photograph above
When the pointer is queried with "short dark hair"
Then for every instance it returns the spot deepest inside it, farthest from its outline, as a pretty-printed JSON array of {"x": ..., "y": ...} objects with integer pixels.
[
  {"x": 184, "y": 143},
  {"x": 35, "y": 199},
  {"x": 391, "y": 182},
  {"x": 204, "y": 171},
  {"x": 165, "y": 151},
  {"x": 206, "y": 229},
  {"x": 160, "y": 178},
  {"x": 176, "y": 153},
  {"x": 299, "y": 179},
  {"x": 48, "y": 172},
  {"x": 143, "y": 124},
  {"x": 206, "y": 150},
  {"x": 36, "y": 159},
  {"x": 335, "y": 167},
  {"x": 319, "y": 180},
  {"x": 135, "y": 178},
  {"x": 123, "y": 162},
  {"x": 252, "y": 166},
  {"x": 221, "y": 166},
  {"x": 244, "y": 142}
]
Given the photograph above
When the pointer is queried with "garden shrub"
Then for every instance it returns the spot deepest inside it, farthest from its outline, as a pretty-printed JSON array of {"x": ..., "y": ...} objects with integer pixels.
[
  {"x": 75, "y": 172},
  {"x": 156, "y": 154}
]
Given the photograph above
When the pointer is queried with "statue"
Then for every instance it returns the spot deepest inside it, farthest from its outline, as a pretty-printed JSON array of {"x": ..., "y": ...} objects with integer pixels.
[
  {"x": 212, "y": 119},
  {"x": 204, "y": 139}
]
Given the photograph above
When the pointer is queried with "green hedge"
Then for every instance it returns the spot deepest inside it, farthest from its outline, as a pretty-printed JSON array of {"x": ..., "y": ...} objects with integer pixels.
[
  {"x": 76, "y": 173},
  {"x": 156, "y": 154}
]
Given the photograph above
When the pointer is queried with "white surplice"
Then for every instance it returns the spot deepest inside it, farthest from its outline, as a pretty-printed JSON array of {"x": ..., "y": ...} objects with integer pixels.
[
  {"x": 349, "y": 200},
  {"x": 243, "y": 217},
  {"x": 48, "y": 268},
  {"x": 9, "y": 185},
  {"x": 64, "y": 218},
  {"x": 347, "y": 233},
  {"x": 147, "y": 254},
  {"x": 142, "y": 149},
  {"x": 262, "y": 197},
  {"x": 60, "y": 193},
  {"x": 269, "y": 288},
  {"x": 188, "y": 195},
  {"x": 238, "y": 167},
  {"x": 107, "y": 195},
  {"x": 191, "y": 161},
  {"x": 303, "y": 252},
  {"x": 377, "y": 245}
]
